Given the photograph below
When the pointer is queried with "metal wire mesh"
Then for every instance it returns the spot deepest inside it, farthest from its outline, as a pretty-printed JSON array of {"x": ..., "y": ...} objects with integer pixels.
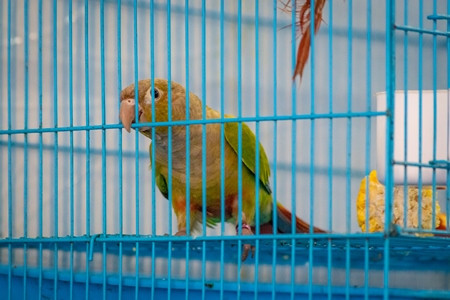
[{"x": 81, "y": 215}]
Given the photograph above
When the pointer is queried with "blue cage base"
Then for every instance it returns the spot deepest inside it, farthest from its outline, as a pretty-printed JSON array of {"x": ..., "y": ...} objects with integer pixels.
[{"x": 359, "y": 251}]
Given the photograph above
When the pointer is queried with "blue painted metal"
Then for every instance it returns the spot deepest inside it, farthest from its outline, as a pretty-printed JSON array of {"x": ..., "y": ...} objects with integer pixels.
[
  {"x": 25, "y": 149},
  {"x": 170, "y": 146},
  {"x": 87, "y": 270},
  {"x": 2, "y": 107},
  {"x": 330, "y": 153},
  {"x": 312, "y": 149},
  {"x": 293, "y": 144},
  {"x": 153, "y": 155},
  {"x": 193, "y": 122},
  {"x": 239, "y": 152},
  {"x": 405, "y": 62},
  {"x": 368, "y": 138},
  {"x": 10, "y": 191},
  {"x": 41, "y": 162},
  {"x": 423, "y": 31},
  {"x": 188, "y": 144},
  {"x": 120, "y": 149},
  {"x": 103, "y": 113},
  {"x": 222, "y": 147},
  {"x": 178, "y": 290},
  {"x": 300, "y": 168},
  {"x": 88, "y": 138},
  {"x": 433, "y": 221},
  {"x": 348, "y": 215},
  {"x": 447, "y": 203},
  {"x": 159, "y": 238},
  {"x": 71, "y": 150},
  {"x": 435, "y": 16},
  {"x": 390, "y": 88},
  {"x": 275, "y": 139},
  {"x": 420, "y": 122},
  {"x": 56, "y": 141},
  {"x": 257, "y": 154},
  {"x": 204, "y": 145},
  {"x": 136, "y": 142}
]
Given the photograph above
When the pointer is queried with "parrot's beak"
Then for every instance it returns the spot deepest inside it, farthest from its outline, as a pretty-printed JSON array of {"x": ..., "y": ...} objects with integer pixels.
[{"x": 127, "y": 113}]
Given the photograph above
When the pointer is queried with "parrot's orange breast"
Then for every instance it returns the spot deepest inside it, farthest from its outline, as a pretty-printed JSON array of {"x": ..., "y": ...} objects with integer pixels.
[{"x": 213, "y": 208}]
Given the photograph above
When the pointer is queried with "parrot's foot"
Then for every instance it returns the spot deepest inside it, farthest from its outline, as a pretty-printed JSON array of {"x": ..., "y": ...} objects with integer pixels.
[
  {"x": 181, "y": 232},
  {"x": 246, "y": 230}
]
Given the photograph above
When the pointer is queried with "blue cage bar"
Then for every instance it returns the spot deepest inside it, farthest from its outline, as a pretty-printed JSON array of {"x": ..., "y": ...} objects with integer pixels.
[{"x": 81, "y": 212}]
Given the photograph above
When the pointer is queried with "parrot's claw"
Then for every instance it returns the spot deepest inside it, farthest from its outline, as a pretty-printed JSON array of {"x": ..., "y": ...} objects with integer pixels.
[
  {"x": 247, "y": 247},
  {"x": 246, "y": 230},
  {"x": 181, "y": 232}
]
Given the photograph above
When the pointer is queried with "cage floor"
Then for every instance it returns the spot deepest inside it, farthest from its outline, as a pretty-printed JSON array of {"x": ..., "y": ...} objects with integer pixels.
[{"x": 357, "y": 251}]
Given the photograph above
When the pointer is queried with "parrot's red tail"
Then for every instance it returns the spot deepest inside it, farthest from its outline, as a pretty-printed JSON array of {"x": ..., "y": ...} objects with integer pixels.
[{"x": 284, "y": 218}]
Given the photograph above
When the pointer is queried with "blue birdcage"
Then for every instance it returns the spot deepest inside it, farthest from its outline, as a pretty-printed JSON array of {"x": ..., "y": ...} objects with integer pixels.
[{"x": 81, "y": 212}]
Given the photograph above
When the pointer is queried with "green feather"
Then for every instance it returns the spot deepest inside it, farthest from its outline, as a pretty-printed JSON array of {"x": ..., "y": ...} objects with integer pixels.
[
  {"x": 249, "y": 150},
  {"x": 160, "y": 181},
  {"x": 211, "y": 222},
  {"x": 162, "y": 185}
]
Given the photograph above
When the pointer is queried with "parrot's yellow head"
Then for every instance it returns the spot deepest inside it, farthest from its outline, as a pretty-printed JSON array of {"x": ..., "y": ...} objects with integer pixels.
[{"x": 147, "y": 95}]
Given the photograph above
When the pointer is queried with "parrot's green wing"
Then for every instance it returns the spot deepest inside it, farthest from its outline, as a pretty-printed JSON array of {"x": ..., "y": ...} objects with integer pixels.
[
  {"x": 162, "y": 185},
  {"x": 249, "y": 150},
  {"x": 160, "y": 181}
]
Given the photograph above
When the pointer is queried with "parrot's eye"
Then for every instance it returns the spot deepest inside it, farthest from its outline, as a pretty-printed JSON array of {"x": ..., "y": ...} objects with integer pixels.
[{"x": 155, "y": 93}]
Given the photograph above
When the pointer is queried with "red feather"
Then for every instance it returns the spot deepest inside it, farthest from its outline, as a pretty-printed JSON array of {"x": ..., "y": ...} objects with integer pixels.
[
  {"x": 303, "y": 24},
  {"x": 284, "y": 222}
]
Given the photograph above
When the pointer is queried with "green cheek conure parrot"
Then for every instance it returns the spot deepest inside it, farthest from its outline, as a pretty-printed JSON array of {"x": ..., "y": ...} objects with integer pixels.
[{"x": 213, "y": 161}]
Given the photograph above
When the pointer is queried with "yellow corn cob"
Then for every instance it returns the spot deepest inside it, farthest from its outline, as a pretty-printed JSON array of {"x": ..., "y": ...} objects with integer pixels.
[{"x": 377, "y": 206}]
